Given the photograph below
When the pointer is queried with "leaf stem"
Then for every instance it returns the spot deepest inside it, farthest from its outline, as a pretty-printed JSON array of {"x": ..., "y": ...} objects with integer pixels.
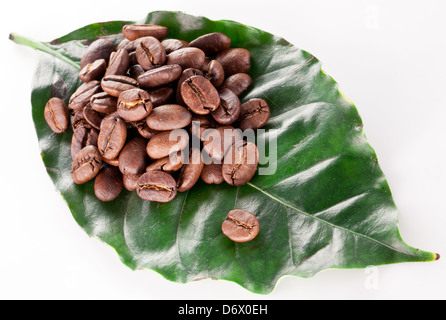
[{"x": 42, "y": 46}]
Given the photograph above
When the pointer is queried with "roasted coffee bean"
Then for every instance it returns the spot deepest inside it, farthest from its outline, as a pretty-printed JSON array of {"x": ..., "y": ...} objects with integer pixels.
[
  {"x": 187, "y": 58},
  {"x": 217, "y": 142},
  {"x": 144, "y": 130},
  {"x": 134, "y": 105},
  {"x": 135, "y": 31},
  {"x": 169, "y": 117},
  {"x": 215, "y": 73},
  {"x": 240, "y": 163},
  {"x": 93, "y": 118},
  {"x": 191, "y": 171},
  {"x": 114, "y": 85},
  {"x": 150, "y": 53},
  {"x": 83, "y": 94},
  {"x": 135, "y": 71},
  {"x": 211, "y": 173},
  {"x": 200, "y": 123},
  {"x": 98, "y": 49},
  {"x": 174, "y": 44},
  {"x": 93, "y": 71},
  {"x": 160, "y": 76},
  {"x": 212, "y": 43},
  {"x": 240, "y": 225},
  {"x": 103, "y": 103},
  {"x": 112, "y": 162},
  {"x": 171, "y": 163},
  {"x": 166, "y": 142},
  {"x": 130, "y": 181},
  {"x": 57, "y": 115},
  {"x": 237, "y": 83},
  {"x": 83, "y": 136},
  {"x": 234, "y": 60},
  {"x": 133, "y": 157},
  {"x": 128, "y": 45},
  {"x": 200, "y": 95},
  {"x": 186, "y": 74},
  {"x": 156, "y": 186},
  {"x": 108, "y": 184},
  {"x": 160, "y": 96},
  {"x": 228, "y": 110},
  {"x": 112, "y": 137},
  {"x": 86, "y": 165},
  {"x": 254, "y": 114},
  {"x": 119, "y": 63}
]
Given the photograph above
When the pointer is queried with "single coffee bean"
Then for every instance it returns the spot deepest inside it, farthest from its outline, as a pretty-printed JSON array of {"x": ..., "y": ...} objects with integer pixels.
[
  {"x": 135, "y": 31},
  {"x": 215, "y": 73},
  {"x": 166, "y": 142},
  {"x": 119, "y": 63},
  {"x": 174, "y": 44},
  {"x": 169, "y": 117},
  {"x": 200, "y": 95},
  {"x": 114, "y": 85},
  {"x": 254, "y": 114},
  {"x": 229, "y": 108},
  {"x": 128, "y": 45},
  {"x": 237, "y": 83},
  {"x": 98, "y": 49},
  {"x": 240, "y": 163},
  {"x": 103, "y": 103},
  {"x": 133, "y": 157},
  {"x": 134, "y": 105},
  {"x": 135, "y": 71},
  {"x": 93, "y": 71},
  {"x": 112, "y": 162},
  {"x": 240, "y": 225},
  {"x": 93, "y": 118},
  {"x": 160, "y": 96},
  {"x": 160, "y": 76},
  {"x": 234, "y": 60},
  {"x": 112, "y": 137},
  {"x": 83, "y": 94},
  {"x": 86, "y": 165},
  {"x": 83, "y": 136},
  {"x": 78, "y": 120},
  {"x": 130, "y": 181},
  {"x": 211, "y": 173},
  {"x": 144, "y": 130},
  {"x": 156, "y": 186},
  {"x": 217, "y": 142},
  {"x": 187, "y": 58},
  {"x": 150, "y": 53},
  {"x": 200, "y": 123},
  {"x": 108, "y": 184},
  {"x": 171, "y": 163},
  {"x": 57, "y": 115},
  {"x": 212, "y": 43},
  {"x": 186, "y": 74},
  {"x": 191, "y": 171}
]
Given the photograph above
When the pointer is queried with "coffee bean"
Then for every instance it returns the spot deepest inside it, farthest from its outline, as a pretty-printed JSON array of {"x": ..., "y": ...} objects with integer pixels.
[
  {"x": 93, "y": 71},
  {"x": 217, "y": 142},
  {"x": 144, "y": 130},
  {"x": 171, "y": 163},
  {"x": 150, "y": 53},
  {"x": 156, "y": 186},
  {"x": 191, "y": 171},
  {"x": 98, "y": 49},
  {"x": 169, "y": 117},
  {"x": 174, "y": 44},
  {"x": 93, "y": 118},
  {"x": 200, "y": 95},
  {"x": 86, "y": 165},
  {"x": 114, "y": 85},
  {"x": 166, "y": 142},
  {"x": 237, "y": 83},
  {"x": 135, "y": 31},
  {"x": 200, "y": 123},
  {"x": 134, "y": 105},
  {"x": 135, "y": 71},
  {"x": 103, "y": 103},
  {"x": 57, "y": 115},
  {"x": 187, "y": 58},
  {"x": 240, "y": 163},
  {"x": 108, "y": 184},
  {"x": 212, "y": 43},
  {"x": 112, "y": 137},
  {"x": 211, "y": 173},
  {"x": 83, "y": 94},
  {"x": 186, "y": 74},
  {"x": 83, "y": 136},
  {"x": 119, "y": 63},
  {"x": 234, "y": 60},
  {"x": 130, "y": 181},
  {"x": 128, "y": 45},
  {"x": 160, "y": 76},
  {"x": 229, "y": 108},
  {"x": 254, "y": 114},
  {"x": 160, "y": 96},
  {"x": 215, "y": 73},
  {"x": 133, "y": 157},
  {"x": 240, "y": 225}
]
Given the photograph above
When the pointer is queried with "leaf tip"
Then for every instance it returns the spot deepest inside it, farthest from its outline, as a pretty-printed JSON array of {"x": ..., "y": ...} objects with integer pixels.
[{"x": 437, "y": 257}]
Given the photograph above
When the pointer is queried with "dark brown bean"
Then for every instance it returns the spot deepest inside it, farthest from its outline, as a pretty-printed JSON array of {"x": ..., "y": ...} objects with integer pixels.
[
  {"x": 200, "y": 123},
  {"x": 234, "y": 60},
  {"x": 83, "y": 94},
  {"x": 254, "y": 114},
  {"x": 215, "y": 73},
  {"x": 86, "y": 165},
  {"x": 187, "y": 58},
  {"x": 93, "y": 71},
  {"x": 135, "y": 31},
  {"x": 93, "y": 118},
  {"x": 135, "y": 71},
  {"x": 144, "y": 130},
  {"x": 171, "y": 163},
  {"x": 160, "y": 76},
  {"x": 98, "y": 49},
  {"x": 217, "y": 142},
  {"x": 240, "y": 225},
  {"x": 211, "y": 173},
  {"x": 240, "y": 163},
  {"x": 103, "y": 103},
  {"x": 130, "y": 181},
  {"x": 150, "y": 53},
  {"x": 57, "y": 115},
  {"x": 200, "y": 95},
  {"x": 191, "y": 171},
  {"x": 156, "y": 186},
  {"x": 114, "y": 85},
  {"x": 160, "y": 96},
  {"x": 212, "y": 43},
  {"x": 112, "y": 137},
  {"x": 228, "y": 110},
  {"x": 134, "y": 105},
  {"x": 169, "y": 117},
  {"x": 108, "y": 184},
  {"x": 83, "y": 136},
  {"x": 163, "y": 143},
  {"x": 187, "y": 73},
  {"x": 237, "y": 83},
  {"x": 174, "y": 44},
  {"x": 128, "y": 45},
  {"x": 133, "y": 157},
  {"x": 119, "y": 63}
]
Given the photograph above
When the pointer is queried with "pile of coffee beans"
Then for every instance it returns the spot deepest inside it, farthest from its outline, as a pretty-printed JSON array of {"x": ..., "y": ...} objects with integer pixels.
[{"x": 133, "y": 116}]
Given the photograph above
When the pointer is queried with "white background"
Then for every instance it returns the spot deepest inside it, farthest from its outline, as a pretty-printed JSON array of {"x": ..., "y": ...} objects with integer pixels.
[{"x": 390, "y": 60}]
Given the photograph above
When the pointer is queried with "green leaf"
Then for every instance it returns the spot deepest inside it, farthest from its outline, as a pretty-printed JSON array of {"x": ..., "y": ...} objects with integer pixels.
[{"x": 328, "y": 204}]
